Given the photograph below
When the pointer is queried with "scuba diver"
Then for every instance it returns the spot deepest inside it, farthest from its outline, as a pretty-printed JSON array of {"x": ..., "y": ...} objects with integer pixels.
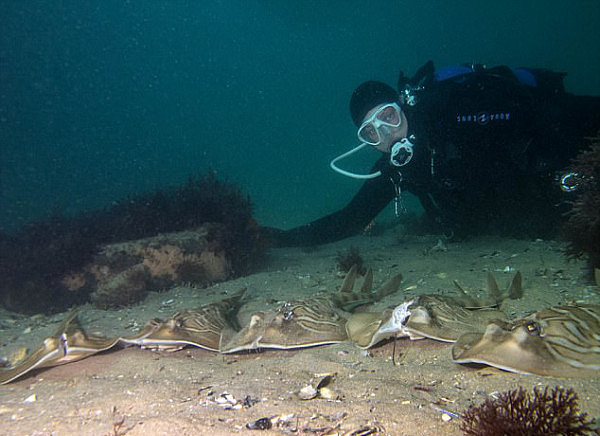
[{"x": 481, "y": 148}]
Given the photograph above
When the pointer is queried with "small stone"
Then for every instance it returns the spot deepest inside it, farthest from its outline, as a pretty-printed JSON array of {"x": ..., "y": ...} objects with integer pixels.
[
  {"x": 328, "y": 393},
  {"x": 5, "y": 409},
  {"x": 30, "y": 399},
  {"x": 308, "y": 393},
  {"x": 260, "y": 424},
  {"x": 38, "y": 317},
  {"x": 446, "y": 417}
]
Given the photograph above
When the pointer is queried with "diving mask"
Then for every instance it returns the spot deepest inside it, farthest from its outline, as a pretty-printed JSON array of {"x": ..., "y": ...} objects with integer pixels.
[{"x": 374, "y": 129}]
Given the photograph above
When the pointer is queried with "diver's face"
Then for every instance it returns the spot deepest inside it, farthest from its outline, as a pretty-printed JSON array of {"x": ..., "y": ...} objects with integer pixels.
[{"x": 383, "y": 126}]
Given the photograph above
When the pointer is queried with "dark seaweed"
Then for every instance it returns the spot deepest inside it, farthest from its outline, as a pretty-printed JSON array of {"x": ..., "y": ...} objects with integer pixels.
[
  {"x": 582, "y": 230},
  {"x": 519, "y": 413},
  {"x": 345, "y": 260}
]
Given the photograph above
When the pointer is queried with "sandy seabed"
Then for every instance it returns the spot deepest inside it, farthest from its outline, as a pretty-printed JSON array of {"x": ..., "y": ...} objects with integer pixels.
[{"x": 419, "y": 391}]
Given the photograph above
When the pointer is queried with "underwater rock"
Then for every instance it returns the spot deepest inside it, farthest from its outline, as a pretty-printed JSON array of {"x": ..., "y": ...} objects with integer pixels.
[
  {"x": 126, "y": 287},
  {"x": 123, "y": 273}
]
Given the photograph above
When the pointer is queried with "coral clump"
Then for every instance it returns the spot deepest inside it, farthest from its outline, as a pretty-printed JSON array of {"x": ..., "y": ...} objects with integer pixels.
[
  {"x": 519, "y": 413},
  {"x": 582, "y": 230}
]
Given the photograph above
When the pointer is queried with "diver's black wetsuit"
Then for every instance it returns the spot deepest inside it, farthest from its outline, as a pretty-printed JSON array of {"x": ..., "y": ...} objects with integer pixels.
[{"x": 486, "y": 151}]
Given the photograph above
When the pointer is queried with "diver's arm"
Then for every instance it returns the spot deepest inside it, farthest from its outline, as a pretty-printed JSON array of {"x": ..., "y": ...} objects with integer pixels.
[{"x": 371, "y": 199}]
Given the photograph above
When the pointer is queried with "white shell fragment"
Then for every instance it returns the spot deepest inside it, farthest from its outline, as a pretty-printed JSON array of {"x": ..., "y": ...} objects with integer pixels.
[
  {"x": 228, "y": 402},
  {"x": 308, "y": 393},
  {"x": 30, "y": 399}
]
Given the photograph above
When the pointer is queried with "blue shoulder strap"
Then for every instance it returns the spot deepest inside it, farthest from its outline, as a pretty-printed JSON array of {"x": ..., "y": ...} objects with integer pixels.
[
  {"x": 525, "y": 76},
  {"x": 457, "y": 74},
  {"x": 451, "y": 72}
]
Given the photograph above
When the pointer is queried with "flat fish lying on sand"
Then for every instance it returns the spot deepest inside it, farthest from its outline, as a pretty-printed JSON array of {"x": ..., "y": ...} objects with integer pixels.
[
  {"x": 311, "y": 321},
  {"x": 208, "y": 327},
  {"x": 440, "y": 317},
  {"x": 69, "y": 344},
  {"x": 559, "y": 341},
  {"x": 294, "y": 324}
]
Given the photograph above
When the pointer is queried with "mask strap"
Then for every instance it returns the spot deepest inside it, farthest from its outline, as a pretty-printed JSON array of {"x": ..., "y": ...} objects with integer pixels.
[{"x": 337, "y": 169}]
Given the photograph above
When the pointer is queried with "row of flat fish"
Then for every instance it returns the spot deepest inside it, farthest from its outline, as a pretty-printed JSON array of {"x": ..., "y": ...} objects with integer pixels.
[{"x": 559, "y": 341}]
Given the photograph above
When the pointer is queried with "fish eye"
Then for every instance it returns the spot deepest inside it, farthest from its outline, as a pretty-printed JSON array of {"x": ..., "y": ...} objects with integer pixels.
[
  {"x": 287, "y": 311},
  {"x": 533, "y": 328}
]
